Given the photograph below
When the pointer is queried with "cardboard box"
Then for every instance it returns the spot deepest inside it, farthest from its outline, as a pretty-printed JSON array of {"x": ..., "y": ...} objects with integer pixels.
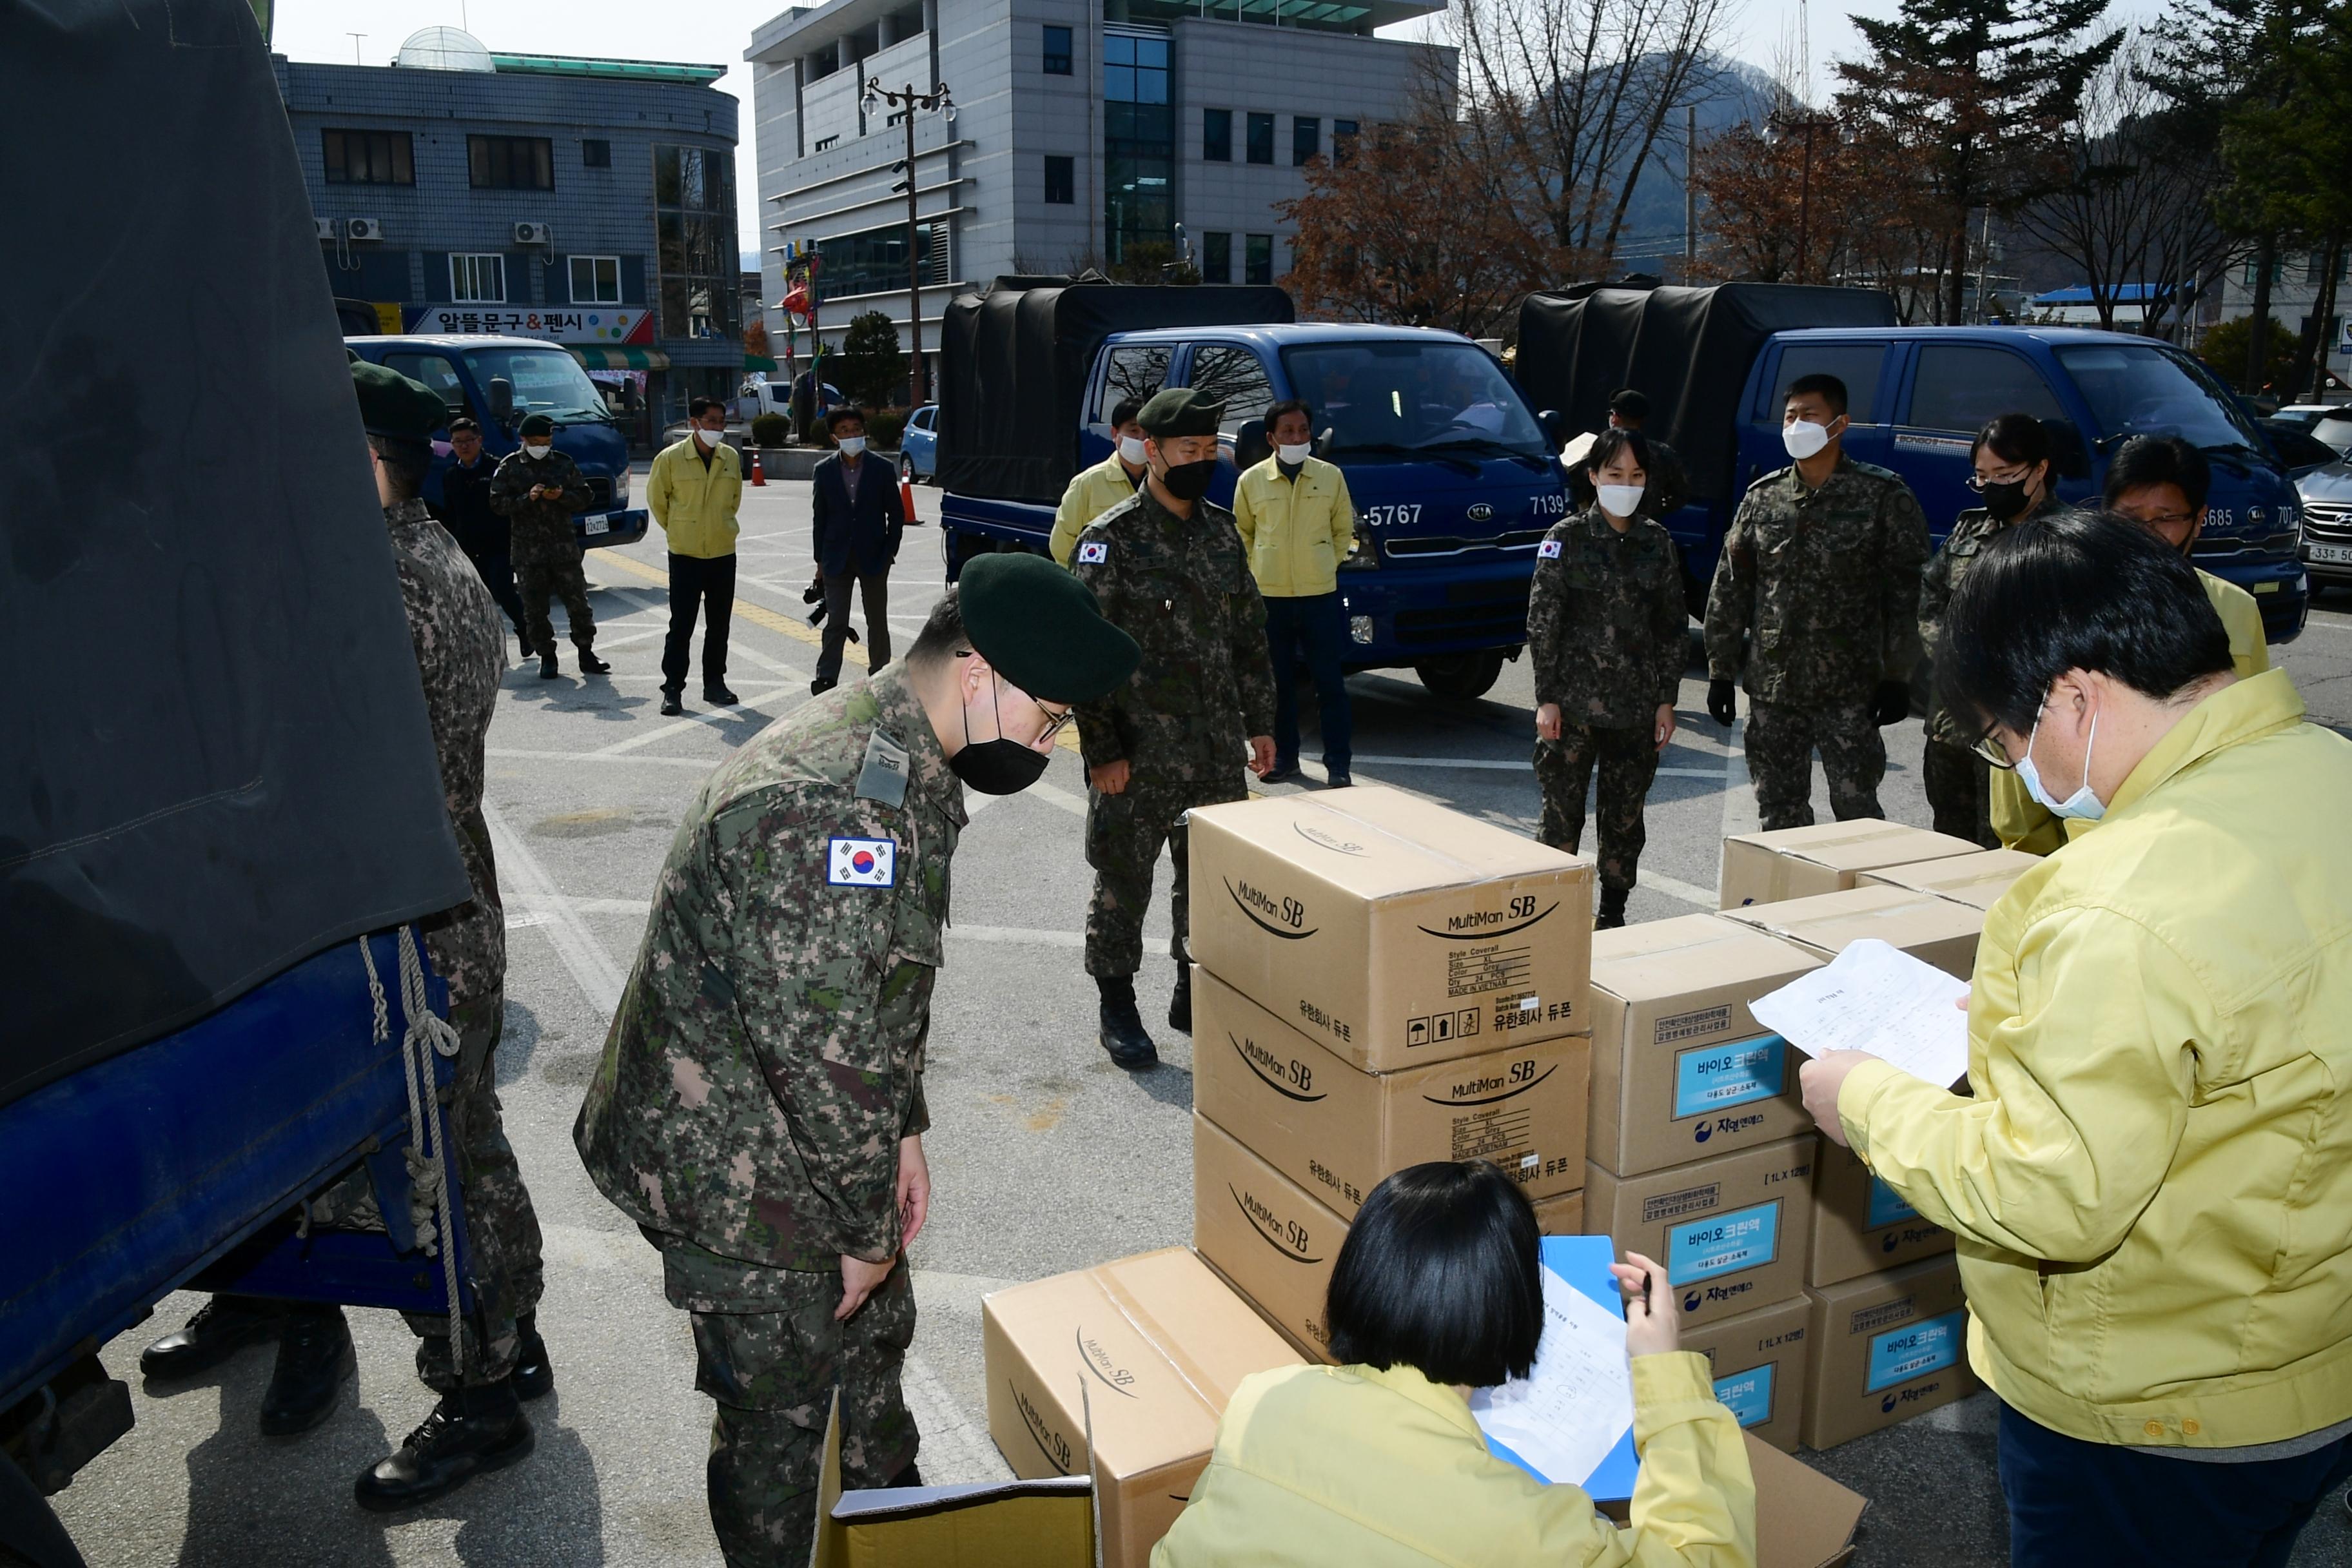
[
  {"x": 1732, "y": 1230},
  {"x": 1562, "y": 1216},
  {"x": 1799, "y": 862},
  {"x": 1978, "y": 879},
  {"x": 1761, "y": 1364},
  {"x": 1885, "y": 1348},
  {"x": 1393, "y": 930},
  {"x": 1680, "y": 1069},
  {"x": 1941, "y": 932},
  {"x": 1335, "y": 1132},
  {"x": 1803, "y": 1518},
  {"x": 1264, "y": 1234},
  {"x": 1047, "y": 1523},
  {"x": 1860, "y": 1225},
  {"x": 1159, "y": 1345}
]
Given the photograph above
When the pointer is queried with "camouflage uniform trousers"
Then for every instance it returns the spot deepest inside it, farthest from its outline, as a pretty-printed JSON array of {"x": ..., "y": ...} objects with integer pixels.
[
  {"x": 1124, "y": 835},
  {"x": 1959, "y": 792},
  {"x": 768, "y": 1349},
  {"x": 534, "y": 581},
  {"x": 1780, "y": 741},
  {"x": 1628, "y": 763}
]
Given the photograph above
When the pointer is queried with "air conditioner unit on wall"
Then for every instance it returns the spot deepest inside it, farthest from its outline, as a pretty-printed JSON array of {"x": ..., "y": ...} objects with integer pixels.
[
  {"x": 326, "y": 227},
  {"x": 534, "y": 234},
  {"x": 363, "y": 228}
]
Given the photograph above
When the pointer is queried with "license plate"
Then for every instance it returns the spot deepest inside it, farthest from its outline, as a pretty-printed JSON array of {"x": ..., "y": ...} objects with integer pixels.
[
  {"x": 2330, "y": 554},
  {"x": 597, "y": 524}
]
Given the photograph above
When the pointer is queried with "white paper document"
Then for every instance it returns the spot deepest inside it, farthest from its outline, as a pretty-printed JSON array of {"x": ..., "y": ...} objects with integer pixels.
[
  {"x": 1565, "y": 1416},
  {"x": 1880, "y": 1000}
]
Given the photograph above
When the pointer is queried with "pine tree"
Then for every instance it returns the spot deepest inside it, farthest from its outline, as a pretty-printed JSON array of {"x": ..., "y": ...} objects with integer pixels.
[{"x": 872, "y": 367}]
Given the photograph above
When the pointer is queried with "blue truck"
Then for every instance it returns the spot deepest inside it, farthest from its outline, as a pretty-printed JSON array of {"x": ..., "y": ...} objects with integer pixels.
[
  {"x": 1455, "y": 477},
  {"x": 1716, "y": 363},
  {"x": 500, "y": 382}
]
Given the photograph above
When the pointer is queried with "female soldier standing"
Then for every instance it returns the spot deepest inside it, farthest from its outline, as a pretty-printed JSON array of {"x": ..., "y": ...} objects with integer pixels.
[{"x": 1608, "y": 630}]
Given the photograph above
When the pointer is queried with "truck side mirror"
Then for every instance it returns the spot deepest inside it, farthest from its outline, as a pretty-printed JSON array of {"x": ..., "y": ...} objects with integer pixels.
[
  {"x": 501, "y": 398},
  {"x": 1250, "y": 444},
  {"x": 2069, "y": 458},
  {"x": 1555, "y": 428},
  {"x": 1326, "y": 441}
]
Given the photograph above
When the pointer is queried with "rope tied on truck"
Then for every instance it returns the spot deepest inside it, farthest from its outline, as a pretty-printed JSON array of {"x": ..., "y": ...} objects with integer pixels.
[{"x": 427, "y": 1156}]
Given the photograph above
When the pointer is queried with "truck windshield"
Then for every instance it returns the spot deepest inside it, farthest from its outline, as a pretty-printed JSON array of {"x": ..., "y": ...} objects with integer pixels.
[
  {"x": 2137, "y": 389},
  {"x": 546, "y": 381},
  {"x": 1398, "y": 397}
]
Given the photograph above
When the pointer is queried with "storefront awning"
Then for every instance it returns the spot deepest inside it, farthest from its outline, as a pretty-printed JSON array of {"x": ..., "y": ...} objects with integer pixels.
[
  {"x": 619, "y": 358},
  {"x": 758, "y": 361}
]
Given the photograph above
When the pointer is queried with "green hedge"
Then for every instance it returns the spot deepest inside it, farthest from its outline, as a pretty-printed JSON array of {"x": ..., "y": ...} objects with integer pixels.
[{"x": 771, "y": 430}]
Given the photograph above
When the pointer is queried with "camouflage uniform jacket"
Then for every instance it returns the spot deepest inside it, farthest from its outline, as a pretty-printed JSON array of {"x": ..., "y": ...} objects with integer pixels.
[
  {"x": 1606, "y": 623},
  {"x": 1940, "y": 579},
  {"x": 1827, "y": 580},
  {"x": 1181, "y": 588},
  {"x": 460, "y": 646},
  {"x": 542, "y": 532},
  {"x": 767, "y": 1056}
]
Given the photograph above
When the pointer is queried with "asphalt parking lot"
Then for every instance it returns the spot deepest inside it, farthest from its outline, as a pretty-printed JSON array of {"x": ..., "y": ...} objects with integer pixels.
[{"x": 1045, "y": 1157}]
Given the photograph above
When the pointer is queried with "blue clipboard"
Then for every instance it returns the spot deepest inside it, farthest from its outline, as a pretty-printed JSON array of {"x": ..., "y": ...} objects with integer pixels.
[{"x": 1583, "y": 1262}]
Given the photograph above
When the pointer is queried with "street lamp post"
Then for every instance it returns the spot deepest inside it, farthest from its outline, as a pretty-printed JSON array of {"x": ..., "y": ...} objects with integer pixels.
[{"x": 909, "y": 100}]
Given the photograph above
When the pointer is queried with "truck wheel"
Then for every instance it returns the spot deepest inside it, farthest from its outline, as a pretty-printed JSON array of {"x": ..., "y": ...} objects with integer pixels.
[{"x": 1464, "y": 677}]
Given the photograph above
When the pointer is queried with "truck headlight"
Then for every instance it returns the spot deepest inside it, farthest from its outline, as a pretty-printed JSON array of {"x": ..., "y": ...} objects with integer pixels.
[
  {"x": 1359, "y": 629},
  {"x": 621, "y": 489}
]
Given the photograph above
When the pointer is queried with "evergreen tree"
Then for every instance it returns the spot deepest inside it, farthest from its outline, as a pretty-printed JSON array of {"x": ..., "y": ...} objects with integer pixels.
[{"x": 872, "y": 368}]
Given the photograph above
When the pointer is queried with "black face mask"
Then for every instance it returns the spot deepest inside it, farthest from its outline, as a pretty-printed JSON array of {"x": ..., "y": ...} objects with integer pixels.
[
  {"x": 1189, "y": 481},
  {"x": 2004, "y": 499},
  {"x": 1000, "y": 766}
]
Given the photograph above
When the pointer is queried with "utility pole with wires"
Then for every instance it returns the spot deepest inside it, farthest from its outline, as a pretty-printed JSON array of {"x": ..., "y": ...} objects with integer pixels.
[
  {"x": 907, "y": 99},
  {"x": 356, "y": 38},
  {"x": 1690, "y": 189}
]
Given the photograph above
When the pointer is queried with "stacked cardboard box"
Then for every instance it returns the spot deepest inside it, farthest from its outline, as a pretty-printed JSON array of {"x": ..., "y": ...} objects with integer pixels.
[
  {"x": 1798, "y": 862},
  {"x": 1377, "y": 982},
  {"x": 1978, "y": 879}
]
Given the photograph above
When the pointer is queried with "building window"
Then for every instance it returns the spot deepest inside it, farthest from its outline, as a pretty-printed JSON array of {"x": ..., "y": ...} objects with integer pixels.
[
  {"x": 1261, "y": 138},
  {"x": 510, "y": 162},
  {"x": 827, "y": 144},
  {"x": 595, "y": 154},
  {"x": 1138, "y": 144},
  {"x": 874, "y": 261},
  {"x": 1305, "y": 139},
  {"x": 1061, "y": 180},
  {"x": 1057, "y": 51},
  {"x": 477, "y": 279},
  {"x": 368, "y": 157},
  {"x": 1217, "y": 135},
  {"x": 1343, "y": 141},
  {"x": 694, "y": 228},
  {"x": 1257, "y": 265},
  {"x": 1216, "y": 257},
  {"x": 596, "y": 279}
]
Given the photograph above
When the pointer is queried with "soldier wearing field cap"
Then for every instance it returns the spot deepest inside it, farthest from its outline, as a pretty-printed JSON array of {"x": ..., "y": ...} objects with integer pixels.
[
  {"x": 1170, "y": 567},
  {"x": 759, "y": 1110},
  {"x": 537, "y": 489}
]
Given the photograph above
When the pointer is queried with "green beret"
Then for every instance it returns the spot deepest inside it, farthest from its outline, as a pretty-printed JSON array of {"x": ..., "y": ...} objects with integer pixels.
[
  {"x": 392, "y": 404},
  {"x": 1179, "y": 411},
  {"x": 1042, "y": 629},
  {"x": 538, "y": 425}
]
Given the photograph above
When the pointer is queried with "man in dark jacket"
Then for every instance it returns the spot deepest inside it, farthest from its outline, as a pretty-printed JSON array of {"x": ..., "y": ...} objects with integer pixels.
[
  {"x": 537, "y": 490},
  {"x": 858, "y": 523},
  {"x": 481, "y": 533}
]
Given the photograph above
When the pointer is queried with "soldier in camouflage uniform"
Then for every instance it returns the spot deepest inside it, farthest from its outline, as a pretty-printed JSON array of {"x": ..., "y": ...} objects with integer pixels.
[
  {"x": 1169, "y": 566},
  {"x": 1607, "y": 635},
  {"x": 1669, "y": 486},
  {"x": 759, "y": 1109},
  {"x": 538, "y": 488},
  {"x": 1821, "y": 566}
]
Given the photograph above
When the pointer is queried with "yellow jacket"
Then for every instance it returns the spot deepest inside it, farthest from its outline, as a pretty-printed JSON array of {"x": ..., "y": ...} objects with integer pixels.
[
  {"x": 1386, "y": 1469},
  {"x": 2022, "y": 823},
  {"x": 1094, "y": 493},
  {"x": 1298, "y": 530},
  {"x": 696, "y": 506},
  {"x": 2152, "y": 1183}
]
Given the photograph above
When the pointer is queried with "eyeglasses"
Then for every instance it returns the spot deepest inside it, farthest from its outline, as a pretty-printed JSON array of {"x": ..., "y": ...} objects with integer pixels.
[
  {"x": 1977, "y": 482},
  {"x": 2161, "y": 519},
  {"x": 1054, "y": 724},
  {"x": 1991, "y": 750}
]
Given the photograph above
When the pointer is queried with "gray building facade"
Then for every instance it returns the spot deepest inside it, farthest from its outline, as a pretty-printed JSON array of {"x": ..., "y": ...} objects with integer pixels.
[
  {"x": 589, "y": 201},
  {"x": 1085, "y": 132}
]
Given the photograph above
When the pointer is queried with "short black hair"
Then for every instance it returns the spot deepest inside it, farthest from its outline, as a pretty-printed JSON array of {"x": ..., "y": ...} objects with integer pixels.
[
  {"x": 2019, "y": 439},
  {"x": 1126, "y": 411},
  {"x": 697, "y": 407},
  {"x": 841, "y": 410},
  {"x": 1289, "y": 406},
  {"x": 464, "y": 422},
  {"x": 1440, "y": 1272},
  {"x": 1628, "y": 404},
  {"x": 408, "y": 462},
  {"x": 1831, "y": 389},
  {"x": 1611, "y": 442},
  {"x": 943, "y": 636},
  {"x": 2067, "y": 591},
  {"x": 2159, "y": 460}
]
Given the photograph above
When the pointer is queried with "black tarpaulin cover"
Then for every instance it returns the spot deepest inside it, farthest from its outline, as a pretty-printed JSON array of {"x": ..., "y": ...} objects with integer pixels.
[
  {"x": 1016, "y": 358},
  {"x": 214, "y": 753},
  {"x": 1687, "y": 350}
]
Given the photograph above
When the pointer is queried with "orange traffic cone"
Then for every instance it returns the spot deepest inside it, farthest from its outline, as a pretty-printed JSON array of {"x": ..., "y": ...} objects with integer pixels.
[
  {"x": 907, "y": 498},
  {"x": 758, "y": 474}
]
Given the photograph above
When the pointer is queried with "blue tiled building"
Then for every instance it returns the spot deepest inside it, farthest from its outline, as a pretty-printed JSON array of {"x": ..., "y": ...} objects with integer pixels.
[{"x": 588, "y": 201}]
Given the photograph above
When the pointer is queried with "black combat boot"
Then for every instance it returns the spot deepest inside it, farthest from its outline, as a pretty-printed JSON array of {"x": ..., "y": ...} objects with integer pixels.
[
  {"x": 716, "y": 693},
  {"x": 673, "y": 702},
  {"x": 220, "y": 1328},
  {"x": 1179, "y": 1004},
  {"x": 1612, "y": 908},
  {"x": 548, "y": 669},
  {"x": 314, "y": 1357},
  {"x": 1122, "y": 1026},
  {"x": 534, "y": 1376},
  {"x": 590, "y": 665},
  {"x": 471, "y": 1432}
]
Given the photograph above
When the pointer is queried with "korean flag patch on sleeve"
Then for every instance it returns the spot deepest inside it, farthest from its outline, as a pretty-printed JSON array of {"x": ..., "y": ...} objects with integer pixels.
[
  {"x": 1548, "y": 550},
  {"x": 863, "y": 863},
  {"x": 1094, "y": 551}
]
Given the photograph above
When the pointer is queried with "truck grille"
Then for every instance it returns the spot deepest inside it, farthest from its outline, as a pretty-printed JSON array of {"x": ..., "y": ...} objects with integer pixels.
[
  {"x": 600, "y": 492},
  {"x": 2328, "y": 522},
  {"x": 1408, "y": 549},
  {"x": 1456, "y": 622}
]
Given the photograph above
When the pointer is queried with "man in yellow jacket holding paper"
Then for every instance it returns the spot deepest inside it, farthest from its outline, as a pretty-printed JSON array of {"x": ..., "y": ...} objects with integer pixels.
[{"x": 2152, "y": 1183}]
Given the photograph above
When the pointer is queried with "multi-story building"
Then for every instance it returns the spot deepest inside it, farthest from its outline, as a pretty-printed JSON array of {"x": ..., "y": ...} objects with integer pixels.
[
  {"x": 587, "y": 201},
  {"x": 1085, "y": 133},
  {"x": 2294, "y": 294}
]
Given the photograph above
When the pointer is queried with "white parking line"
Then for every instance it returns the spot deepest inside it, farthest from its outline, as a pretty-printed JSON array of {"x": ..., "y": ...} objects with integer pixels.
[
  {"x": 600, "y": 980},
  {"x": 516, "y": 754}
]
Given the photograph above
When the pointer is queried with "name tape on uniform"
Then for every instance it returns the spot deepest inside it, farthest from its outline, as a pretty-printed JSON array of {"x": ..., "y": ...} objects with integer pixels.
[
  {"x": 1548, "y": 550},
  {"x": 1094, "y": 551},
  {"x": 863, "y": 863}
]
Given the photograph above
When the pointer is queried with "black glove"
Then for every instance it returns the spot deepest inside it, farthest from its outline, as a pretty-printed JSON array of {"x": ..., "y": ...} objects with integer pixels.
[
  {"x": 1720, "y": 707},
  {"x": 1893, "y": 703}
]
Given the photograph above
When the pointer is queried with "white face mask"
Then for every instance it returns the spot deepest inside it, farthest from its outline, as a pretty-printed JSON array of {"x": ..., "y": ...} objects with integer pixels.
[
  {"x": 1620, "y": 501},
  {"x": 536, "y": 452},
  {"x": 708, "y": 437},
  {"x": 852, "y": 445},
  {"x": 2082, "y": 804},
  {"x": 1804, "y": 439},
  {"x": 1296, "y": 455},
  {"x": 1130, "y": 450}
]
